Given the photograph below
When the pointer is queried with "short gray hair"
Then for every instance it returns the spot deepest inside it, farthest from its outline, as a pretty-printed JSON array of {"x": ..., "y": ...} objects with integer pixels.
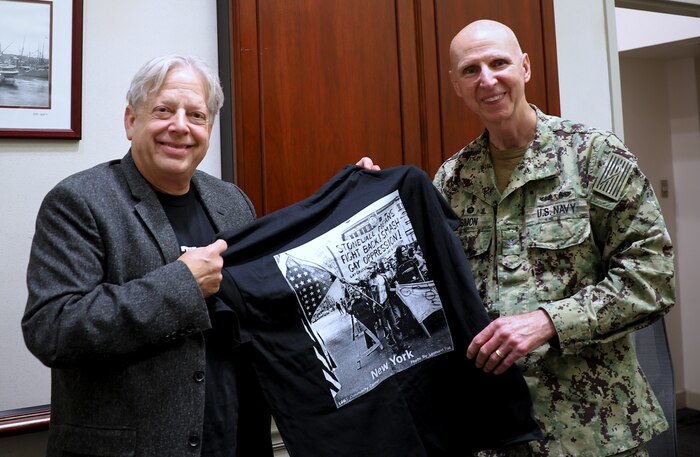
[{"x": 150, "y": 78}]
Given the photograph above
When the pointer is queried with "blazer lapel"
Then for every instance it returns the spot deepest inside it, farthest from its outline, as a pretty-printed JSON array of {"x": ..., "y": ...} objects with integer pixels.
[
  {"x": 214, "y": 203},
  {"x": 150, "y": 210}
]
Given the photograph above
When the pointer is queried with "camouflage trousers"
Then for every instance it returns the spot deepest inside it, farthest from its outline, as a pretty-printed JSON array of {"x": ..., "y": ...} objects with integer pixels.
[
  {"x": 524, "y": 451},
  {"x": 639, "y": 451}
]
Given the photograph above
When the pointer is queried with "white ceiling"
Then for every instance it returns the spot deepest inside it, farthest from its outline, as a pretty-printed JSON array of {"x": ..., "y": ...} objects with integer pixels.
[{"x": 657, "y": 35}]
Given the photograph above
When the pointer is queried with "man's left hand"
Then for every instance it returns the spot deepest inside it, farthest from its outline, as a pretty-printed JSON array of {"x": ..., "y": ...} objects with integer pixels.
[
  {"x": 367, "y": 164},
  {"x": 508, "y": 338}
]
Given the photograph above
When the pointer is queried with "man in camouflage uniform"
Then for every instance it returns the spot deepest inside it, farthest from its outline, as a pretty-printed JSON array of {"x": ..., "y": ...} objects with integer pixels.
[{"x": 569, "y": 250}]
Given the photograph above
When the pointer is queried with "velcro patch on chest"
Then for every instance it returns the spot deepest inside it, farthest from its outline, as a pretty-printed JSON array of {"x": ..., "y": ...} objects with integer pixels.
[{"x": 611, "y": 179}]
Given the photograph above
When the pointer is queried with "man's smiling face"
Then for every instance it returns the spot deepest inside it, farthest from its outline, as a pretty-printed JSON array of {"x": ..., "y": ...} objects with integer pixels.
[
  {"x": 489, "y": 72},
  {"x": 170, "y": 132}
]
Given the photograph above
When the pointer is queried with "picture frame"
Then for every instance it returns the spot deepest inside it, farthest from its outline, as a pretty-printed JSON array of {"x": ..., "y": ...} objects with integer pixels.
[
  {"x": 23, "y": 420},
  {"x": 41, "y": 68}
]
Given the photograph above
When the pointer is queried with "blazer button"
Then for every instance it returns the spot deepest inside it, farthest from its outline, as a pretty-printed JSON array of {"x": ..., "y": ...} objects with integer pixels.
[
  {"x": 193, "y": 441},
  {"x": 198, "y": 376}
]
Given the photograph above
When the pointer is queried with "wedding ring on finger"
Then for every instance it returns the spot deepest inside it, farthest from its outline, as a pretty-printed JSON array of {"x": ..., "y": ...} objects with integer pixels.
[{"x": 499, "y": 354}]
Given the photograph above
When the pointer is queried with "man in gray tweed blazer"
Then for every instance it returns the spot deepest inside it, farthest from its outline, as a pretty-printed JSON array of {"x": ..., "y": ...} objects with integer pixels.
[{"x": 121, "y": 300}]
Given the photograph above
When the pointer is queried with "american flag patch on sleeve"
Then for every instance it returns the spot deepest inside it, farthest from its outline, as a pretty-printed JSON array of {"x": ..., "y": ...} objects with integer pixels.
[{"x": 612, "y": 177}]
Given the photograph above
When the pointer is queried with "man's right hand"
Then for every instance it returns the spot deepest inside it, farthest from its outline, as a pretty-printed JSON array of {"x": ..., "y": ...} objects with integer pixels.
[
  {"x": 367, "y": 164},
  {"x": 205, "y": 263}
]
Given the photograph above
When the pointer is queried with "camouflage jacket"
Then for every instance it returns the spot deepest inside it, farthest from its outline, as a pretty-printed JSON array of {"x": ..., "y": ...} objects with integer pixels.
[{"x": 579, "y": 233}]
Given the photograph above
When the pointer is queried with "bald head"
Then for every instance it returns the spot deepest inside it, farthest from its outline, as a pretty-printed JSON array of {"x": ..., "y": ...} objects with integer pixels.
[
  {"x": 489, "y": 71},
  {"x": 478, "y": 33}
]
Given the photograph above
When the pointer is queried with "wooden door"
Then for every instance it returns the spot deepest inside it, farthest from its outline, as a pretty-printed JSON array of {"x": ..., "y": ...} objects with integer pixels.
[
  {"x": 533, "y": 24},
  {"x": 316, "y": 84}
]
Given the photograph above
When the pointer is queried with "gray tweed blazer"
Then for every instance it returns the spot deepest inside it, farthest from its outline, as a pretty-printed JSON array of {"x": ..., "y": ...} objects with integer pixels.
[{"x": 117, "y": 319}]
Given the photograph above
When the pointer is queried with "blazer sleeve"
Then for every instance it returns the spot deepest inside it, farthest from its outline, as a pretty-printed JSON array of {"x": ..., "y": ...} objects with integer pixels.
[{"x": 99, "y": 287}]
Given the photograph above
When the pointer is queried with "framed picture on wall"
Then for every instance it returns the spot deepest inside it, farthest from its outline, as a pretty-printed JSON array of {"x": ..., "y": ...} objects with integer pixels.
[{"x": 40, "y": 68}]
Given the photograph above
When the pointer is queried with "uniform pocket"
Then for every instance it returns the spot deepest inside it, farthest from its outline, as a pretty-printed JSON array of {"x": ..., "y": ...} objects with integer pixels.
[
  {"x": 561, "y": 250},
  {"x": 97, "y": 441},
  {"x": 559, "y": 233},
  {"x": 475, "y": 240}
]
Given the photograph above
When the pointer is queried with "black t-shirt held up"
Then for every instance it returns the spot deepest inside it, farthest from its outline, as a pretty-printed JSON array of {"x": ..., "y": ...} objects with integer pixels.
[{"x": 357, "y": 305}]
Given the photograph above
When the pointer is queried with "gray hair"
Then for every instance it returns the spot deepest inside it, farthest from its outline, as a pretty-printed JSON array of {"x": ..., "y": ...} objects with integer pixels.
[{"x": 150, "y": 78}]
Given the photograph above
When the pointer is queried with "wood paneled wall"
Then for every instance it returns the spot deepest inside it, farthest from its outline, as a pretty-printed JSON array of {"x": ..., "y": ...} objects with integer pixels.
[{"x": 316, "y": 84}]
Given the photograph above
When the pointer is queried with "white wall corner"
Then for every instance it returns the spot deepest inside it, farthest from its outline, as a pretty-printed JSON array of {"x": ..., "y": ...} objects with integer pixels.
[{"x": 614, "y": 69}]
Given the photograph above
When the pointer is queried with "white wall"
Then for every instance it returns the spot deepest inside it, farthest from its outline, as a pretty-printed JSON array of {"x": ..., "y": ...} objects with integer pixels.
[
  {"x": 666, "y": 28},
  {"x": 661, "y": 105},
  {"x": 119, "y": 37},
  {"x": 648, "y": 133},
  {"x": 684, "y": 118},
  {"x": 585, "y": 67}
]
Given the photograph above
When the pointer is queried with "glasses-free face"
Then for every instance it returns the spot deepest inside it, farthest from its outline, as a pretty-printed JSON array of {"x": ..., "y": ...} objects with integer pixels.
[
  {"x": 489, "y": 72},
  {"x": 170, "y": 131}
]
